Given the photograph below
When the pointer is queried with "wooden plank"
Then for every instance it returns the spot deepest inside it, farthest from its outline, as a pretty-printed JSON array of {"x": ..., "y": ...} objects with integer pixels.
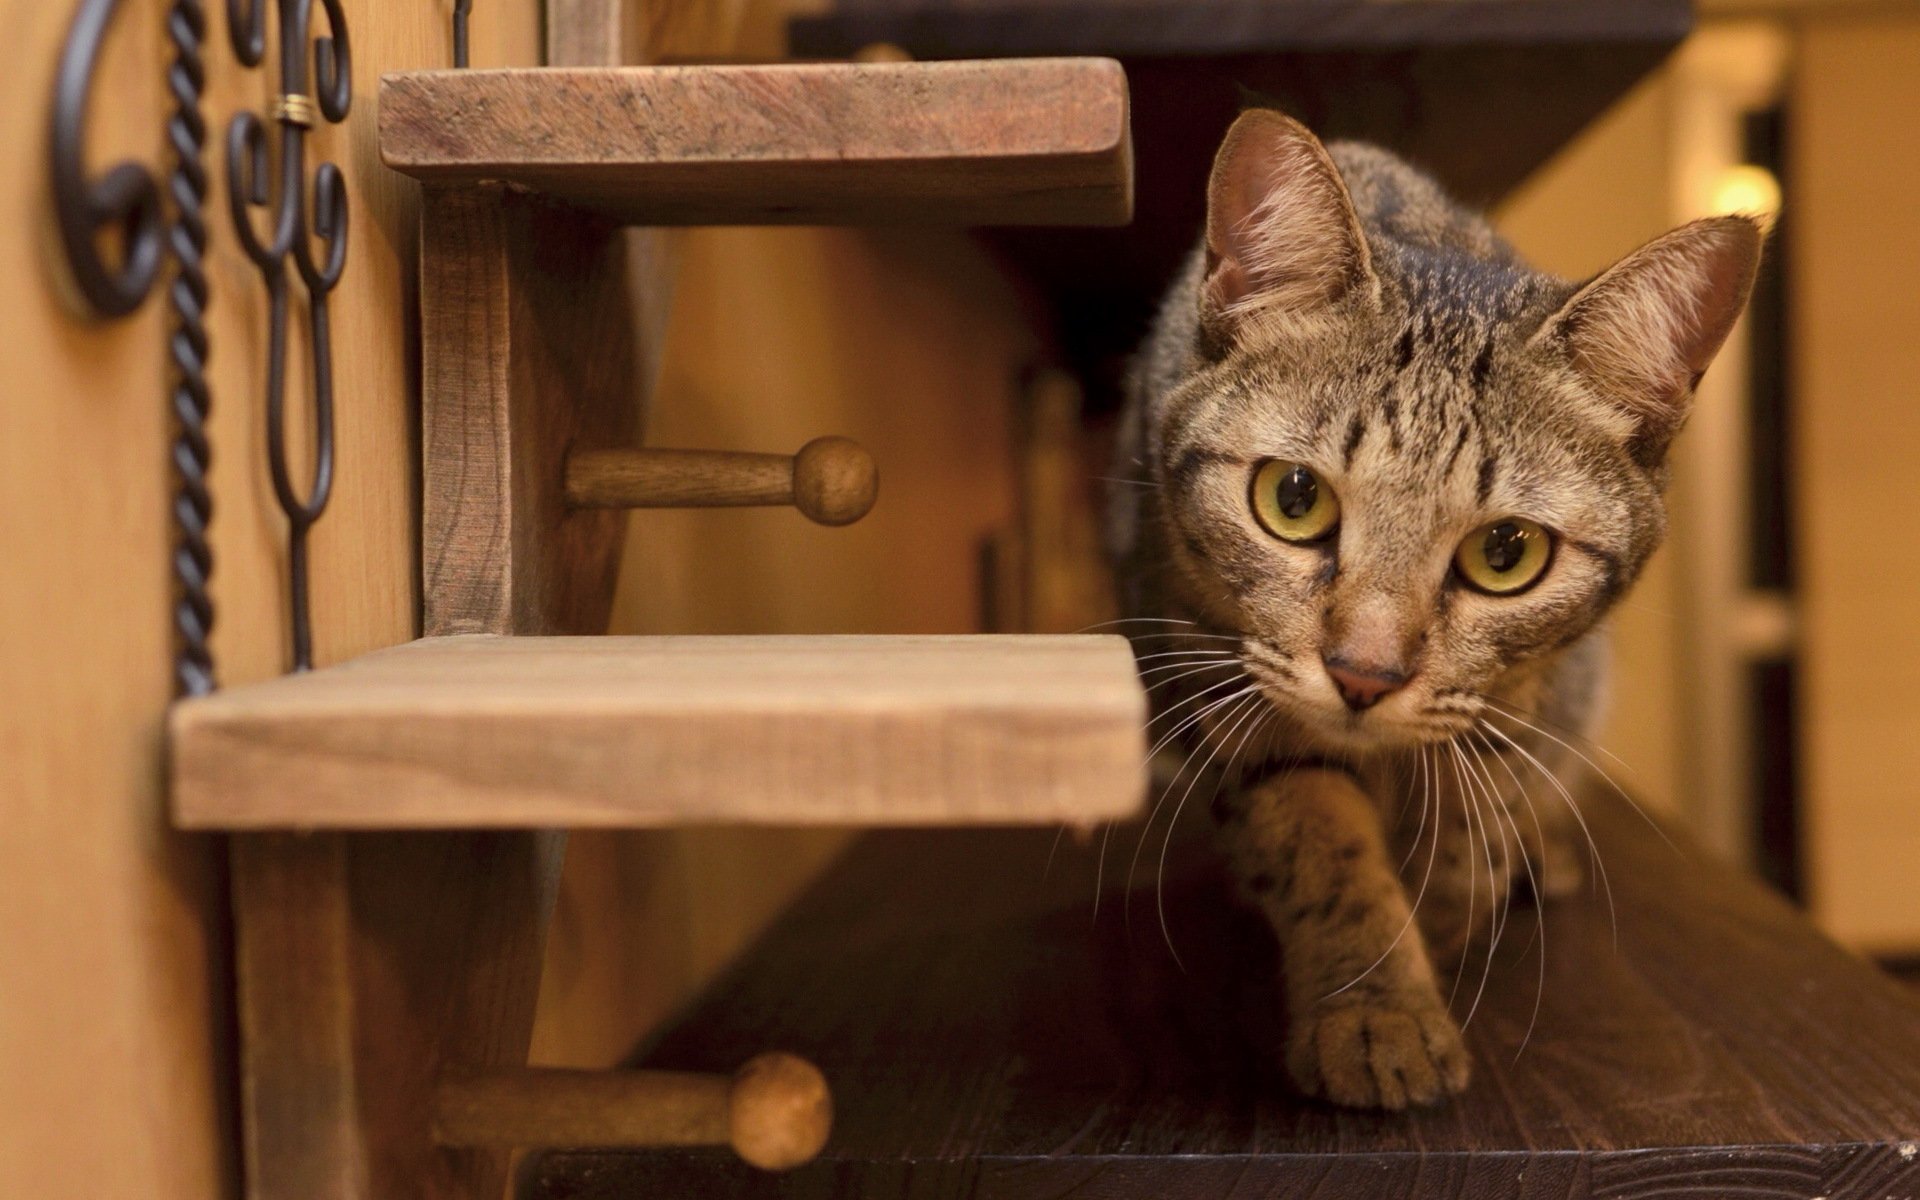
[
  {"x": 450, "y": 932},
  {"x": 987, "y": 1036},
  {"x": 507, "y": 386},
  {"x": 641, "y": 731},
  {"x": 1479, "y": 93},
  {"x": 293, "y": 955},
  {"x": 1002, "y": 143},
  {"x": 1168, "y": 28}
]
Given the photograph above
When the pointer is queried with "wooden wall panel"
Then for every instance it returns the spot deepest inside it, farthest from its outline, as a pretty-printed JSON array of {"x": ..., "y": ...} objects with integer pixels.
[
  {"x": 1857, "y": 429},
  {"x": 112, "y": 944},
  {"x": 910, "y": 343}
]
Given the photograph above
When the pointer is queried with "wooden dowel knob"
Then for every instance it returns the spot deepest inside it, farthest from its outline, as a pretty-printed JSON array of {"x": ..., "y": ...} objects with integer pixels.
[
  {"x": 775, "y": 1112},
  {"x": 832, "y": 480}
]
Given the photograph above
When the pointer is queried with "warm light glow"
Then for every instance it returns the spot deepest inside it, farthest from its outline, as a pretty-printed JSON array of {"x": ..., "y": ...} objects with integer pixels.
[{"x": 1747, "y": 189}]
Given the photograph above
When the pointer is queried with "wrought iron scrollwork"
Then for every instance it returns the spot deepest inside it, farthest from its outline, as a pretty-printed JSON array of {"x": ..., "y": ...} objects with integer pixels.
[
  {"x": 127, "y": 197},
  {"x": 308, "y": 227}
]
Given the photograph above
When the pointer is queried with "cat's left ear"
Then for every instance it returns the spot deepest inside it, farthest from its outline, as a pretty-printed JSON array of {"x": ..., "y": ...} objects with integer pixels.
[{"x": 1645, "y": 330}]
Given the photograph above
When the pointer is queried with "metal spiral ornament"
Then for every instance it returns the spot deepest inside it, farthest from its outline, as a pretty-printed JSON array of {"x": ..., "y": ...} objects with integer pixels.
[
  {"x": 187, "y": 352},
  {"x": 126, "y": 197},
  {"x": 298, "y": 217}
]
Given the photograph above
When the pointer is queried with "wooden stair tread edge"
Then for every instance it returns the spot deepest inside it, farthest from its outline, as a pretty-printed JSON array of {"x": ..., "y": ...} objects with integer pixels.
[
  {"x": 985, "y": 1037},
  {"x": 1224, "y": 27},
  {"x": 478, "y": 731},
  {"x": 1036, "y": 141}
]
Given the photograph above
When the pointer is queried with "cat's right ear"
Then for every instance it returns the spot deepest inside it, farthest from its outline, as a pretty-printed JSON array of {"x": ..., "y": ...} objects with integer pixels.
[{"x": 1282, "y": 237}]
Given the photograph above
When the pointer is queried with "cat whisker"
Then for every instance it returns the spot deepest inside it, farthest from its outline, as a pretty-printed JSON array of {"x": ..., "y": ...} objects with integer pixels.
[
  {"x": 1186, "y": 764},
  {"x": 1472, "y": 873},
  {"x": 1173, "y": 679},
  {"x": 1497, "y": 920},
  {"x": 1197, "y": 663},
  {"x": 1188, "y": 721},
  {"x": 1572, "y": 749},
  {"x": 1533, "y": 881},
  {"x": 1191, "y": 625},
  {"x": 1160, "y": 874},
  {"x": 1593, "y": 847},
  {"x": 1220, "y": 655},
  {"x": 1100, "y": 869}
]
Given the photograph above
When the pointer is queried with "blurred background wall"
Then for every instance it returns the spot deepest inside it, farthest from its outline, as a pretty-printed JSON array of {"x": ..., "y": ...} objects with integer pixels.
[{"x": 1698, "y": 714}]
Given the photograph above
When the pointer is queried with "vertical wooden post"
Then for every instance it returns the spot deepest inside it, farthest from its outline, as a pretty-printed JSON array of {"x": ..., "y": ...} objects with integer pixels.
[
  {"x": 293, "y": 956},
  {"x": 373, "y": 962}
]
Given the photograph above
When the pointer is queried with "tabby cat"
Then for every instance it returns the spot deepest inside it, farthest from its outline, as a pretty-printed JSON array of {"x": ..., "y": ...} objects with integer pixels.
[{"x": 1380, "y": 481}]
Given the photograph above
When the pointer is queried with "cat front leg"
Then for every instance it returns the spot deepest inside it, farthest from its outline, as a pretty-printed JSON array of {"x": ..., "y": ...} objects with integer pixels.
[{"x": 1367, "y": 1025}]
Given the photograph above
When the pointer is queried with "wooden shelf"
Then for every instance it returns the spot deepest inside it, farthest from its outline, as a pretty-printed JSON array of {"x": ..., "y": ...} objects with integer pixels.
[
  {"x": 525, "y": 732},
  {"x": 1014, "y": 142},
  {"x": 986, "y": 1036},
  {"x": 1479, "y": 92}
]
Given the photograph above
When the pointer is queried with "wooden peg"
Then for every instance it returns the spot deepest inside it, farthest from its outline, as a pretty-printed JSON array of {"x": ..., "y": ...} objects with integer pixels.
[
  {"x": 775, "y": 1111},
  {"x": 832, "y": 480}
]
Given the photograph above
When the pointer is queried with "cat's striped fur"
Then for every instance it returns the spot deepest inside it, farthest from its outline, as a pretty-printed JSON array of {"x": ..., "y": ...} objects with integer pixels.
[{"x": 1345, "y": 314}]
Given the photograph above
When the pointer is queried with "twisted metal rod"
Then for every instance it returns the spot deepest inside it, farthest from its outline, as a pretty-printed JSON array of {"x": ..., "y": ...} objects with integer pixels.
[
  {"x": 127, "y": 196},
  {"x": 187, "y": 351}
]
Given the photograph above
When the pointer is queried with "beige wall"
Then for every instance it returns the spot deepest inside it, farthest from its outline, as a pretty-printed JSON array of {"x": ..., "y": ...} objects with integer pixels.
[
  {"x": 1856, "y": 178},
  {"x": 111, "y": 927}
]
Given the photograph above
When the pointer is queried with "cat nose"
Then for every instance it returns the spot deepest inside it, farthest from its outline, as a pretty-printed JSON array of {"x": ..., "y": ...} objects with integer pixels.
[{"x": 1363, "y": 687}]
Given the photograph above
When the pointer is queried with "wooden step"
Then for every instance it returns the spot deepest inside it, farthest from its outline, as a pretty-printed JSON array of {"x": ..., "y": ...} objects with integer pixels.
[
  {"x": 986, "y": 1034},
  {"x": 1014, "y": 142},
  {"x": 523, "y": 732},
  {"x": 1480, "y": 93}
]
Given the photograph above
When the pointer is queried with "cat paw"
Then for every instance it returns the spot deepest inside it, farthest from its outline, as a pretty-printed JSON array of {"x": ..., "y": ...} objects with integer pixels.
[{"x": 1384, "y": 1052}]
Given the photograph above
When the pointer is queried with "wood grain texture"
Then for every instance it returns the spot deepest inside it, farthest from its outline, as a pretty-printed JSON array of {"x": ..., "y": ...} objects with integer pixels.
[
  {"x": 450, "y": 932},
  {"x": 832, "y": 480},
  {"x": 1005, "y": 143},
  {"x": 775, "y": 1111},
  {"x": 1479, "y": 93},
  {"x": 527, "y": 345},
  {"x": 988, "y": 1037},
  {"x": 293, "y": 924},
  {"x": 1221, "y": 27},
  {"x": 629, "y": 732}
]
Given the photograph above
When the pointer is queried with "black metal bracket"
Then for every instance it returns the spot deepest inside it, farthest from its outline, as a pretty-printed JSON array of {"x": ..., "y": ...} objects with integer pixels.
[
  {"x": 462, "y": 10},
  {"x": 299, "y": 218},
  {"x": 127, "y": 197}
]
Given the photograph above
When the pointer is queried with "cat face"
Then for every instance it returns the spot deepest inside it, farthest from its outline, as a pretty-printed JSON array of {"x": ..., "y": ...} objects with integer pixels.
[{"x": 1404, "y": 468}]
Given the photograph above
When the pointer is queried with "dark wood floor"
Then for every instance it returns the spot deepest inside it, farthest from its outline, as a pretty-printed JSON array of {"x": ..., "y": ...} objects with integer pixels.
[{"x": 987, "y": 1036}]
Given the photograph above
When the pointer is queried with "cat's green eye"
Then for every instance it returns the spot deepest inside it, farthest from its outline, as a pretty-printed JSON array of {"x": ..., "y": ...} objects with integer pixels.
[
  {"x": 1505, "y": 556},
  {"x": 1292, "y": 502}
]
